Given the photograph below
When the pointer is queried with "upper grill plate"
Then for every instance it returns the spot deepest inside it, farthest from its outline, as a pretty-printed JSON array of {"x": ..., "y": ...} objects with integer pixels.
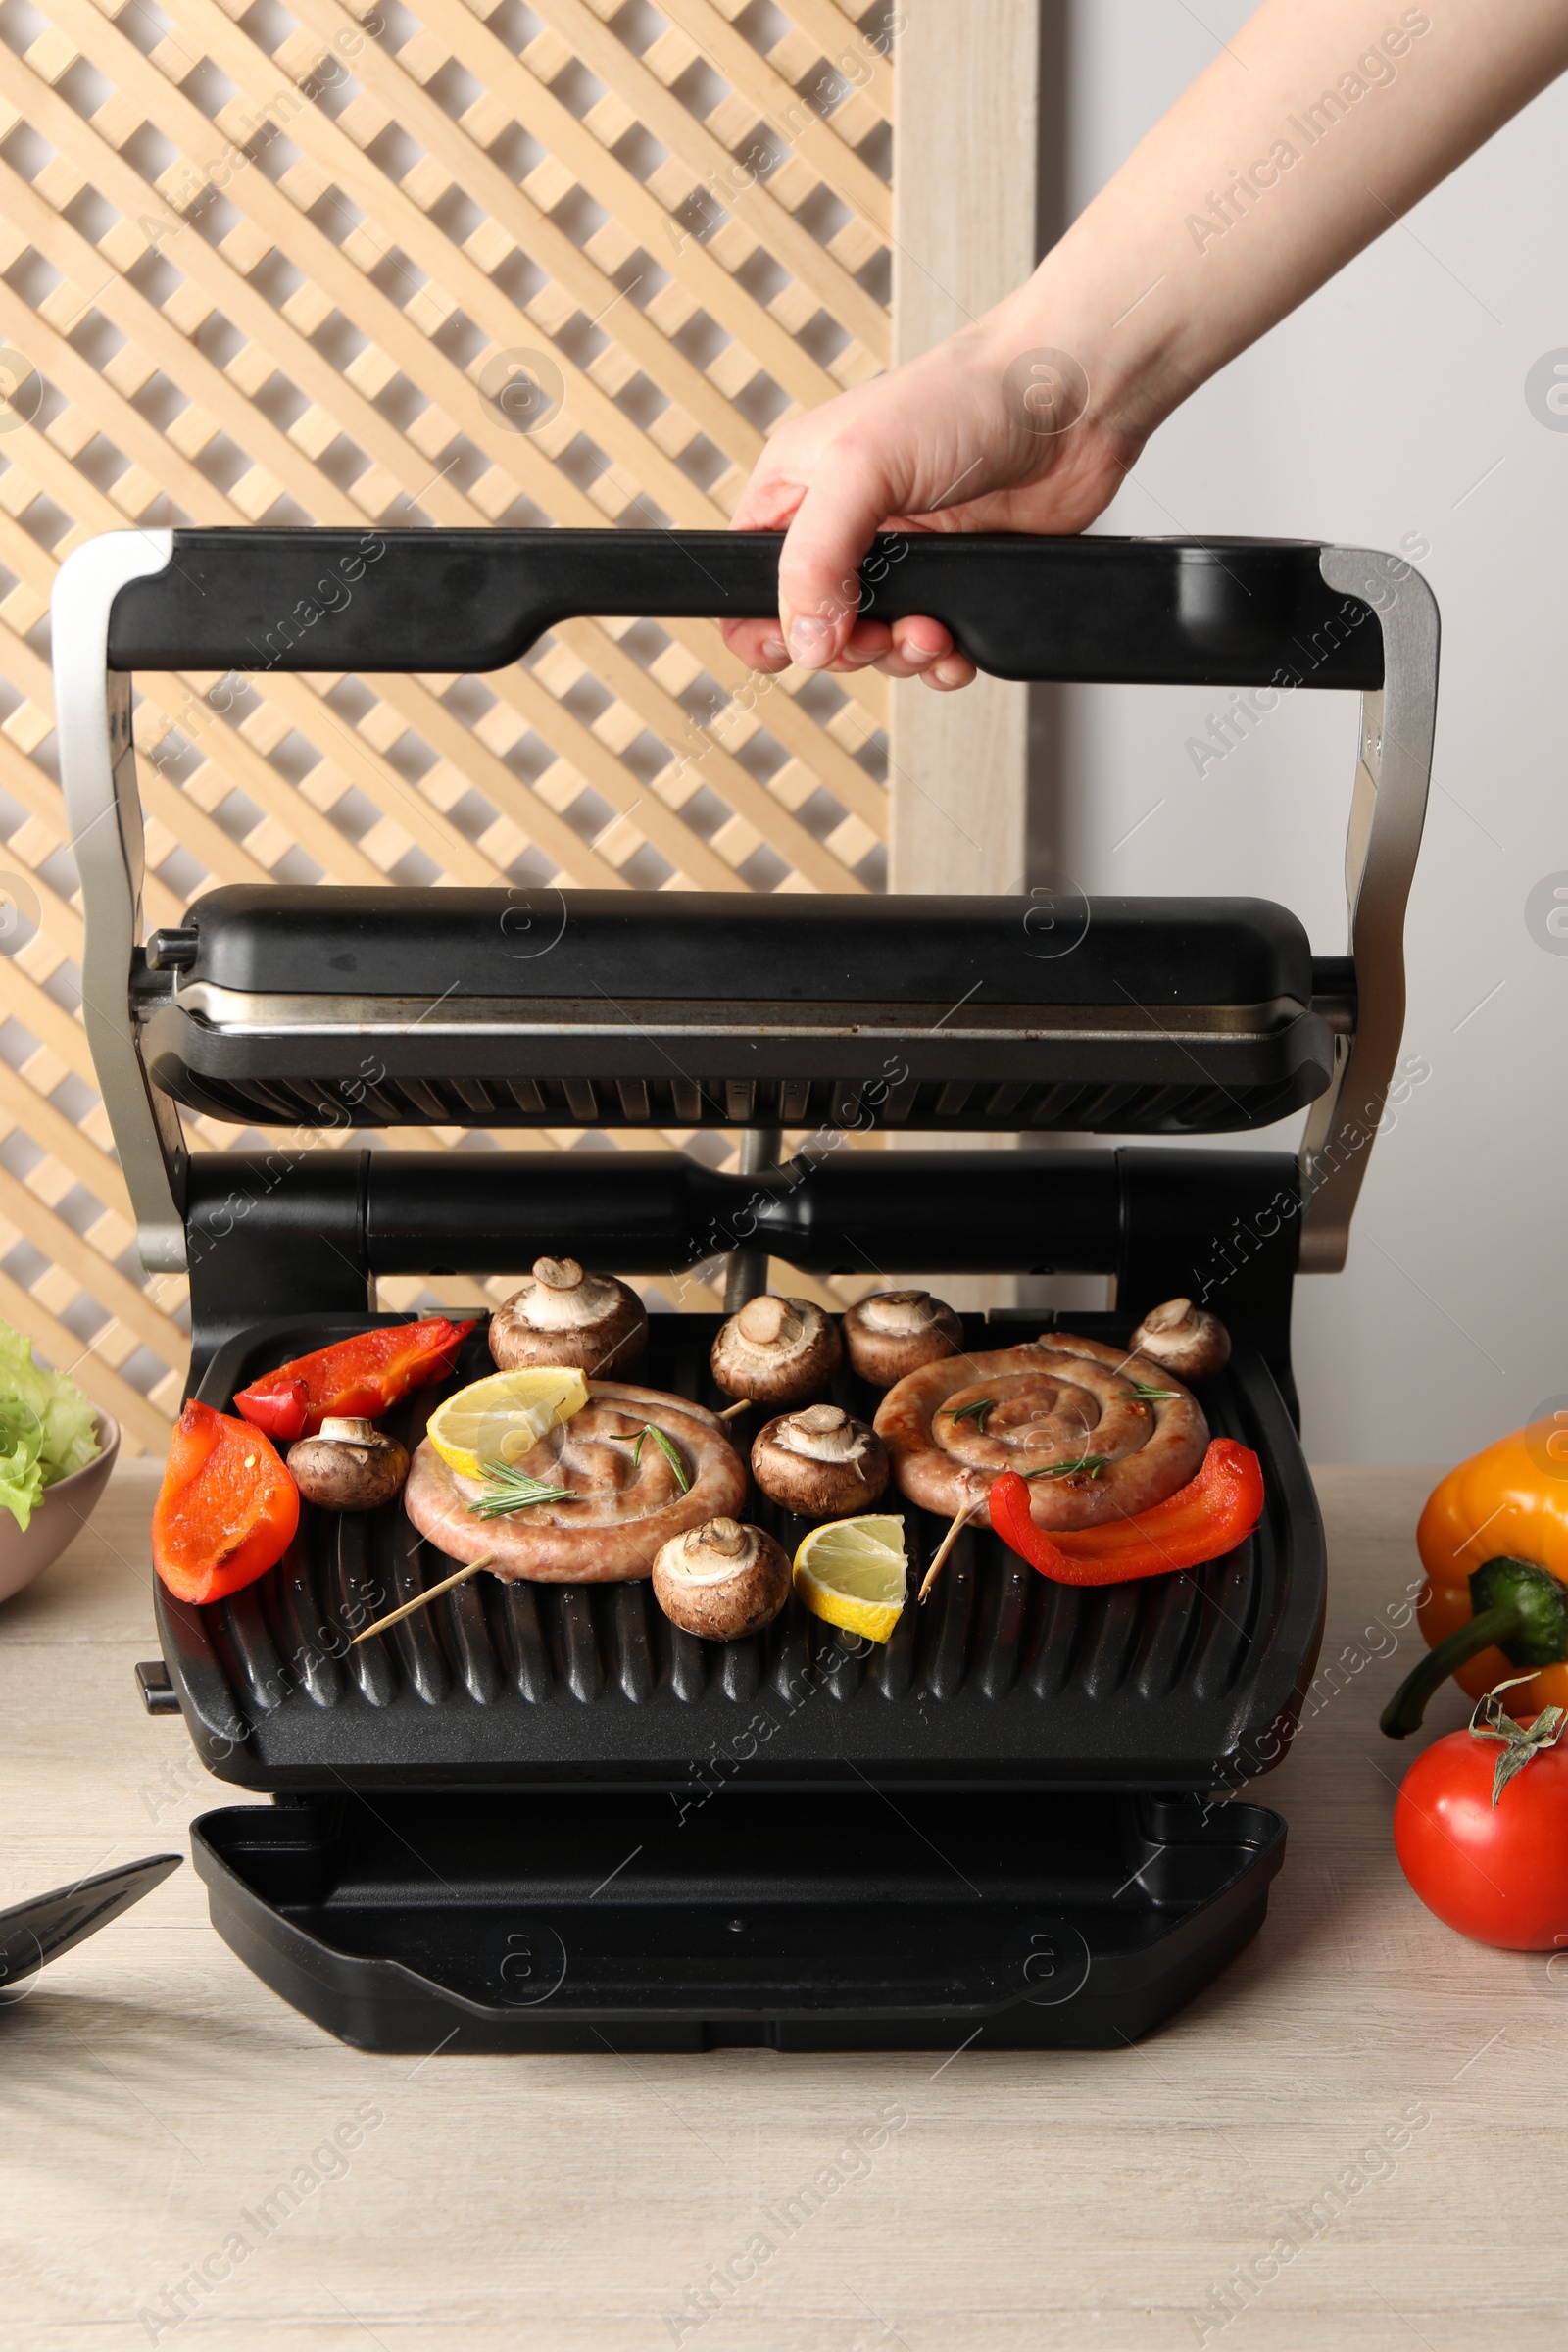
[{"x": 632, "y": 1008}]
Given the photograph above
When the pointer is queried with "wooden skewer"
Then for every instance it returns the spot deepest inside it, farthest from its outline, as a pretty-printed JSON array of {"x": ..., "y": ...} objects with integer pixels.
[
  {"x": 422, "y": 1600},
  {"x": 730, "y": 1410},
  {"x": 938, "y": 1558}
]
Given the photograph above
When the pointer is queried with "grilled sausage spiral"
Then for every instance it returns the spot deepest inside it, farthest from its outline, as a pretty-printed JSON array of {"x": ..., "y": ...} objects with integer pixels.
[
  {"x": 955, "y": 1426},
  {"x": 626, "y": 1500}
]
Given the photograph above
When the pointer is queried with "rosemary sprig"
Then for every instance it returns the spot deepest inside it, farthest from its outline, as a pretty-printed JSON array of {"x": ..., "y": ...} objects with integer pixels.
[
  {"x": 1142, "y": 1392},
  {"x": 1090, "y": 1464},
  {"x": 508, "y": 1489},
  {"x": 975, "y": 1412},
  {"x": 667, "y": 1447}
]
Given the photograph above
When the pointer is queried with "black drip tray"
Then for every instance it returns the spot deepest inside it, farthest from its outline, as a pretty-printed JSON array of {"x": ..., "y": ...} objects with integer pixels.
[{"x": 804, "y": 1920}]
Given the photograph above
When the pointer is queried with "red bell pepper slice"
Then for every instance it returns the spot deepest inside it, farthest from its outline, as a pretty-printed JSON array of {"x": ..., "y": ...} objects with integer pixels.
[
  {"x": 1201, "y": 1521},
  {"x": 277, "y": 1405},
  {"x": 226, "y": 1510},
  {"x": 359, "y": 1378}
]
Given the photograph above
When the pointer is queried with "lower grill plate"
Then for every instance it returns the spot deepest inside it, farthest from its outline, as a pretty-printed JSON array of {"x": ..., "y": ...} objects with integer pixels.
[{"x": 1189, "y": 1681}]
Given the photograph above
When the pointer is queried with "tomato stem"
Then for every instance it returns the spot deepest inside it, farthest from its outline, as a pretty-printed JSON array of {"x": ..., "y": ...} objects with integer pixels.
[{"x": 1494, "y": 1627}]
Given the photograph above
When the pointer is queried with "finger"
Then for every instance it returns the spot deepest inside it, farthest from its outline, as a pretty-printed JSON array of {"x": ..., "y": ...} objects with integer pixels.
[
  {"x": 897, "y": 664},
  {"x": 760, "y": 644},
  {"x": 769, "y": 500},
  {"x": 865, "y": 645},
  {"x": 818, "y": 567},
  {"x": 919, "y": 639},
  {"x": 768, "y": 503},
  {"x": 952, "y": 672},
  {"x": 917, "y": 645}
]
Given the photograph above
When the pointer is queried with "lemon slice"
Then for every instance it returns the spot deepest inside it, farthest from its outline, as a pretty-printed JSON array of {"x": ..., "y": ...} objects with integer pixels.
[
  {"x": 851, "y": 1573},
  {"x": 504, "y": 1417}
]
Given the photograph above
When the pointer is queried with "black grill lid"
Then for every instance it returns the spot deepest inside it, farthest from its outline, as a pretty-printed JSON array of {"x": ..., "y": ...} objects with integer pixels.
[
  {"x": 583, "y": 946},
  {"x": 376, "y": 1008}
]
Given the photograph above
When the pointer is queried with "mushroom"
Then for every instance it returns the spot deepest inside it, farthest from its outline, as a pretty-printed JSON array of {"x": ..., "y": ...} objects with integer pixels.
[
  {"x": 562, "y": 1316},
  {"x": 776, "y": 1350},
  {"x": 721, "y": 1580},
  {"x": 820, "y": 1462},
  {"x": 895, "y": 1332},
  {"x": 348, "y": 1465},
  {"x": 1185, "y": 1338}
]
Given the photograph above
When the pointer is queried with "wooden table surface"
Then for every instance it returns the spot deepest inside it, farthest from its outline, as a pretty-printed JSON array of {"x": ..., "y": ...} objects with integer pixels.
[{"x": 155, "y": 2093}]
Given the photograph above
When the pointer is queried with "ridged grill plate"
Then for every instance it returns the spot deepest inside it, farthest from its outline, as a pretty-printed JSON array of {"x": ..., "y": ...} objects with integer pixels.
[{"x": 1184, "y": 1681}]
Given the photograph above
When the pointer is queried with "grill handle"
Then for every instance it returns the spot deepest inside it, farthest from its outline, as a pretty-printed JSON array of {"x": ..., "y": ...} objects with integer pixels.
[{"x": 1219, "y": 611}]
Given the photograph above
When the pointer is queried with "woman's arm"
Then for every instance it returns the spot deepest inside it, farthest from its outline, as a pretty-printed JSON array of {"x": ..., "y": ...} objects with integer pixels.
[{"x": 1319, "y": 124}]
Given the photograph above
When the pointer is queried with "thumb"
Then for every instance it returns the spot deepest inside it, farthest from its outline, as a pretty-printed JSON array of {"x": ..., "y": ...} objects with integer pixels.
[{"x": 819, "y": 584}]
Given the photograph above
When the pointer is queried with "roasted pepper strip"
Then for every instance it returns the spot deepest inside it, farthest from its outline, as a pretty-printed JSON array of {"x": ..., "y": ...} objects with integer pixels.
[
  {"x": 1201, "y": 1521},
  {"x": 353, "y": 1378},
  {"x": 277, "y": 1405},
  {"x": 1493, "y": 1540},
  {"x": 226, "y": 1510}
]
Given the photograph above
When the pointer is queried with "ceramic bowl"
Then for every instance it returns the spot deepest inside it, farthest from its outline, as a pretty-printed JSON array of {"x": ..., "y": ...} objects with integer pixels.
[{"x": 62, "y": 1514}]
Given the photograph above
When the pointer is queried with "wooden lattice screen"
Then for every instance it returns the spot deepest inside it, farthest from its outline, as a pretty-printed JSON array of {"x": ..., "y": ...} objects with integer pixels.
[{"x": 557, "y": 263}]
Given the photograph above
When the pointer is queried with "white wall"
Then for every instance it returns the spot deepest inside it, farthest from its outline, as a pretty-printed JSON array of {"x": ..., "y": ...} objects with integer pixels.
[{"x": 1373, "y": 414}]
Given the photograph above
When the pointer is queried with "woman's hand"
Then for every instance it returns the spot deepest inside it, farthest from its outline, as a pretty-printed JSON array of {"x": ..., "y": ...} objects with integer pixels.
[
  {"x": 1230, "y": 213},
  {"x": 986, "y": 433}
]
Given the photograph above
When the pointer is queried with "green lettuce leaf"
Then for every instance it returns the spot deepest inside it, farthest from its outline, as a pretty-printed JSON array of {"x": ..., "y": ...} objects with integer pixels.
[
  {"x": 21, "y": 1472},
  {"x": 47, "y": 1427}
]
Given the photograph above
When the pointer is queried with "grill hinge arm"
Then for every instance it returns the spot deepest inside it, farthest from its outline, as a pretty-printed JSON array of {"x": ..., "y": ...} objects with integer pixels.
[
  {"x": 1394, "y": 767},
  {"x": 98, "y": 772}
]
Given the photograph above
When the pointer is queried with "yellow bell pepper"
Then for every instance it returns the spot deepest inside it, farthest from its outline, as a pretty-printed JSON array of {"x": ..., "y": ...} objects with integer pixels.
[{"x": 1493, "y": 1540}]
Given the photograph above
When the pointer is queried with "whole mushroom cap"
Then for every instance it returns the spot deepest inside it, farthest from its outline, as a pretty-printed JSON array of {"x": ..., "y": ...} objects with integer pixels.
[
  {"x": 560, "y": 1315},
  {"x": 721, "y": 1580},
  {"x": 895, "y": 1332},
  {"x": 820, "y": 1462},
  {"x": 777, "y": 1350},
  {"x": 1186, "y": 1339},
  {"x": 349, "y": 1465}
]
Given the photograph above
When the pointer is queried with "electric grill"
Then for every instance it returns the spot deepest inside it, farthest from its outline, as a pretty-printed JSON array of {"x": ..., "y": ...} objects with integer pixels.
[{"x": 543, "y": 1818}]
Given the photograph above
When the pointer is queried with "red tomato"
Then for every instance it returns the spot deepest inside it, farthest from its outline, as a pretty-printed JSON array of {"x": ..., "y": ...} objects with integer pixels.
[{"x": 1499, "y": 1876}]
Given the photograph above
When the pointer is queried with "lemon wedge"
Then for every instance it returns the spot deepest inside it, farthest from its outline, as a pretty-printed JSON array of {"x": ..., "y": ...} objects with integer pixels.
[
  {"x": 851, "y": 1573},
  {"x": 504, "y": 1417}
]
